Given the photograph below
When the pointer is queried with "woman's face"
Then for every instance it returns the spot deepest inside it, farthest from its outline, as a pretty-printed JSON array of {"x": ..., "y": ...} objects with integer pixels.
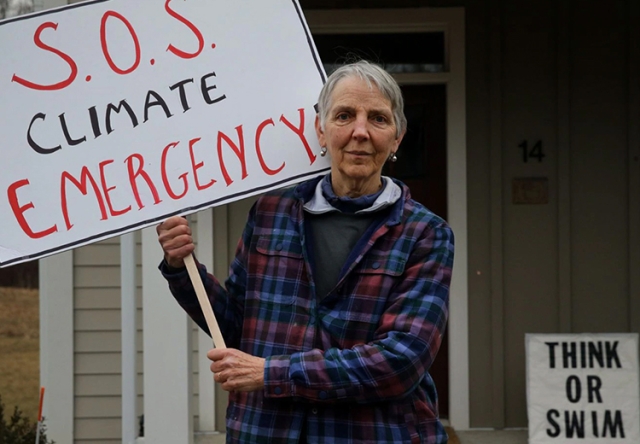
[{"x": 359, "y": 134}]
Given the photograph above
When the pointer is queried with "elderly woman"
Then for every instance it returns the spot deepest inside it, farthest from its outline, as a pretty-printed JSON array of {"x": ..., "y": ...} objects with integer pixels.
[{"x": 337, "y": 299}]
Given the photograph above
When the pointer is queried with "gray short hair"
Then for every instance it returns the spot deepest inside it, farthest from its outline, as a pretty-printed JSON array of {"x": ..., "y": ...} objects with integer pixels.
[{"x": 372, "y": 74}]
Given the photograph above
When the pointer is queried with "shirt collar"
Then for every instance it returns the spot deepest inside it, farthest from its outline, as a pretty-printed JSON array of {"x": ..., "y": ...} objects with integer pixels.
[{"x": 319, "y": 203}]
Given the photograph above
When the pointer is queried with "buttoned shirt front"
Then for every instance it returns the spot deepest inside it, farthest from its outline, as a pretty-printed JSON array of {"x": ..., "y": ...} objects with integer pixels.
[{"x": 353, "y": 366}]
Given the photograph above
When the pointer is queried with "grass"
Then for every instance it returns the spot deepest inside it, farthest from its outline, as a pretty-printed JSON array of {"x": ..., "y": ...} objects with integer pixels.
[{"x": 19, "y": 350}]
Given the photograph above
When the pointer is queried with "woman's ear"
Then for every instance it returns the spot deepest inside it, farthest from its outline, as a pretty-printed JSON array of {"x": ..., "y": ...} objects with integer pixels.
[
  {"x": 319, "y": 132},
  {"x": 399, "y": 140}
]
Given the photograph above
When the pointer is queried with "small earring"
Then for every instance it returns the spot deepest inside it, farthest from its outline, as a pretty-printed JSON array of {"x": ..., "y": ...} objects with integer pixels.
[
  {"x": 323, "y": 151},
  {"x": 392, "y": 157}
]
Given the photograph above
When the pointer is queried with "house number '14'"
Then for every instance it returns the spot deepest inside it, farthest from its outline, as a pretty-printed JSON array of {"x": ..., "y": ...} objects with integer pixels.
[{"x": 534, "y": 152}]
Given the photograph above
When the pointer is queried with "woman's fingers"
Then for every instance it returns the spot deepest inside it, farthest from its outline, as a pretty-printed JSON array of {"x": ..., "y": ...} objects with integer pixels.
[
  {"x": 174, "y": 236},
  {"x": 236, "y": 370}
]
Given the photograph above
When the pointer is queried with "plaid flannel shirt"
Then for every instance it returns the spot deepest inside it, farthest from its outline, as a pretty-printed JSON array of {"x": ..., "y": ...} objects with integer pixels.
[{"x": 351, "y": 367}]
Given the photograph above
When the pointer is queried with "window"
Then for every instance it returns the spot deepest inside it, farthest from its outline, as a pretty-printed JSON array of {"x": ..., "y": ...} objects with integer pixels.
[{"x": 397, "y": 52}]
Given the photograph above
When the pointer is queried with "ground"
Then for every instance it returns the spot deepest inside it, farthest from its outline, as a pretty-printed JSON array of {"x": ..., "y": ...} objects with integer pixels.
[{"x": 19, "y": 350}]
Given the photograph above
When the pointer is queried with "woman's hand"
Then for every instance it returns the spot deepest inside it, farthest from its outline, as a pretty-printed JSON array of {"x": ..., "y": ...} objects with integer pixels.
[
  {"x": 236, "y": 370},
  {"x": 174, "y": 235}
]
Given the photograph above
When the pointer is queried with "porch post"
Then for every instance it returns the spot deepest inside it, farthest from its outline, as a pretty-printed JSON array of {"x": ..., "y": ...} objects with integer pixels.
[
  {"x": 167, "y": 355},
  {"x": 56, "y": 345}
]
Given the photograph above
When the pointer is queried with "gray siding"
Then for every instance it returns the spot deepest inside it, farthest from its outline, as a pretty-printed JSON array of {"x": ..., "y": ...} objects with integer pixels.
[{"x": 97, "y": 359}]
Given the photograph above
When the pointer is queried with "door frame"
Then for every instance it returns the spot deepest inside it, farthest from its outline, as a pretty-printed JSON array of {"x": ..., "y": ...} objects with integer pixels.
[{"x": 451, "y": 22}]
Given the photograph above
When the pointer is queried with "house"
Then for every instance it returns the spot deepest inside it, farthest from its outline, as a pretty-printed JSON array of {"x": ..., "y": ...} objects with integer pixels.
[{"x": 535, "y": 107}]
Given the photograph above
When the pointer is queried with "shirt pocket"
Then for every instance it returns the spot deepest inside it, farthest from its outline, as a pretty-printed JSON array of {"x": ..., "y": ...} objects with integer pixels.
[
  {"x": 381, "y": 264},
  {"x": 365, "y": 292},
  {"x": 278, "y": 268},
  {"x": 280, "y": 245}
]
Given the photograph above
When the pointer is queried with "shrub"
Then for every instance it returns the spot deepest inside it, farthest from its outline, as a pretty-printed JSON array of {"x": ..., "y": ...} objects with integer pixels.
[{"x": 19, "y": 429}]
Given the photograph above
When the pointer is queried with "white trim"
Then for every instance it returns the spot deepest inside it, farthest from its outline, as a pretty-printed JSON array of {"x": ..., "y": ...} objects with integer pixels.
[
  {"x": 451, "y": 22},
  {"x": 56, "y": 344},
  {"x": 128, "y": 311},
  {"x": 364, "y": 21},
  {"x": 206, "y": 395},
  {"x": 457, "y": 215},
  {"x": 167, "y": 354}
]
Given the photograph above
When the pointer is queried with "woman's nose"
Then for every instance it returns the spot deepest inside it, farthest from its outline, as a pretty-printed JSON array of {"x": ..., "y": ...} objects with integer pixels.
[{"x": 360, "y": 129}]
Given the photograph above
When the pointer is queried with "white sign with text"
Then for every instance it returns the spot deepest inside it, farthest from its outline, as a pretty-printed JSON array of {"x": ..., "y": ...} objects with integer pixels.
[
  {"x": 583, "y": 388},
  {"x": 116, "y": 114}
]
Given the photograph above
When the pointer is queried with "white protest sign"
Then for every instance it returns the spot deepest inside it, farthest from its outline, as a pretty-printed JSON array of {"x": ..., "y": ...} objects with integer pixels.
[
  {"x": 117, "y": 114},
  {"x": 583, "y": 388}
]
